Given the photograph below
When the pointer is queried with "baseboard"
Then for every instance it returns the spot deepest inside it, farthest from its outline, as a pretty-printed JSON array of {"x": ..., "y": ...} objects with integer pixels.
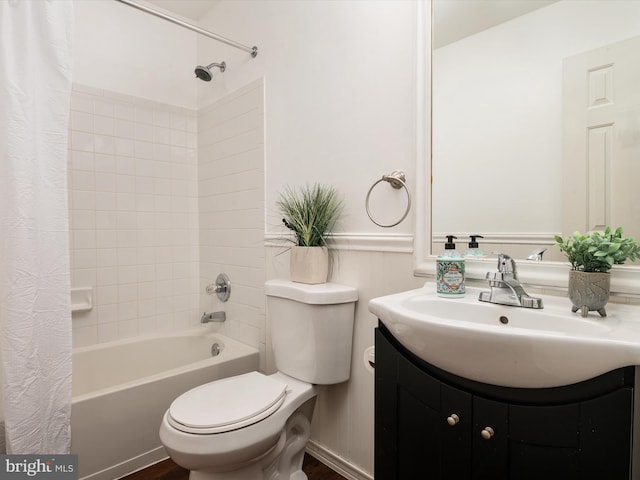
[
  {"x": 326, "y": 456},
  {"x": 129, "y": 466},
  {"x": 336, "y": 462}
]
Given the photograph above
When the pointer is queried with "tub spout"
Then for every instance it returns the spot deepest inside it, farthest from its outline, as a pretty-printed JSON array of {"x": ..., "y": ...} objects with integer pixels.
[{"x": 217, "y": 317}]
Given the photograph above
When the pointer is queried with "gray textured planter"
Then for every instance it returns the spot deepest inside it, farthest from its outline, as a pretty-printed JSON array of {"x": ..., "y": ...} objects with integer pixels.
[{"x": 589, "y": 291}]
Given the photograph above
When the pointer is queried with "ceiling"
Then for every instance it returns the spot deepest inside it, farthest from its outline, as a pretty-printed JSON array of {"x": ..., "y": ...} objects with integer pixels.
[
  {"x": 191, "y": 9},
  {"x": 452, "y": 19},
  {"x": 456, "y": 19}
]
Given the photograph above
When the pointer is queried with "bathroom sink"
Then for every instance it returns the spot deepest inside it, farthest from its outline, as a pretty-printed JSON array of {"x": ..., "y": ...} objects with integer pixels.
[
  {"x": 511, "y": 346},
  {"x": 481, "y": 313}
]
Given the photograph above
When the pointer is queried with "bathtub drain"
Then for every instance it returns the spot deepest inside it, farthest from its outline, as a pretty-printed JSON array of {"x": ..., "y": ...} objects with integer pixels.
[{"x": 215, "y": 349}]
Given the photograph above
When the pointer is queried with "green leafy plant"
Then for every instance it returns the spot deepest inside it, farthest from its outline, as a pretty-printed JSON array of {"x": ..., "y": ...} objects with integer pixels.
[
  {"x": 311, "y": 212},
  {"x": 598, "y": 251}
]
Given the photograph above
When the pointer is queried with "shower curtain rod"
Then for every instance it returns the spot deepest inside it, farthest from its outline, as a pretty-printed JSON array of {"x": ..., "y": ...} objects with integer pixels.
[{"x": 252, "y": 50}]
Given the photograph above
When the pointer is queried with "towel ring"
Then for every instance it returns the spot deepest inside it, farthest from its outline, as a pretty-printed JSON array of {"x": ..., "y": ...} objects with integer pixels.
[{"x": 396, "y": 179}]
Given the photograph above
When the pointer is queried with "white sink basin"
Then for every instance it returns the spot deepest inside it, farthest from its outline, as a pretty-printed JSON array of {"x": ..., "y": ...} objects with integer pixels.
[{"x": 511, "y": 346}]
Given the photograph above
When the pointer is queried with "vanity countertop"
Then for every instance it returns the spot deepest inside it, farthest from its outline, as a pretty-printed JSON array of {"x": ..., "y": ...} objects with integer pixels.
[{"x": 511, "y": 346}]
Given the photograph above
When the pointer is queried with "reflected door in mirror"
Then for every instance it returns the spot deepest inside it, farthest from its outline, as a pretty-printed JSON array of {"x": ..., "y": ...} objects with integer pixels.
[{"x": 601, "y": 112}]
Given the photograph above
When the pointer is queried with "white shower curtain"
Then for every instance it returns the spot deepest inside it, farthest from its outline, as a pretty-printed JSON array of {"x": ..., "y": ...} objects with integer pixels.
[{"x": 35, "y": 316}]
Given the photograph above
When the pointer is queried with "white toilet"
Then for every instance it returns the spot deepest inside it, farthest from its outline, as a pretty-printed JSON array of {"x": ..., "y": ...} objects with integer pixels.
[{"x": 256, "y": 426}]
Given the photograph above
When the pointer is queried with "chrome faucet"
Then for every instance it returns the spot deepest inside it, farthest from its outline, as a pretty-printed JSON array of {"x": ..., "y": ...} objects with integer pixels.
[
  {"x": 217, "y": 317},
  {"x": 537, "y": 254},
  {"x": 506, "y": 288}
]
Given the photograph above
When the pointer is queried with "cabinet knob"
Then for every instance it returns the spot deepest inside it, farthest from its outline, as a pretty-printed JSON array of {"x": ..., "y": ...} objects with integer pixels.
[
  {"x": 487, "y": 433},
  {"x": 453, "y": 419}
]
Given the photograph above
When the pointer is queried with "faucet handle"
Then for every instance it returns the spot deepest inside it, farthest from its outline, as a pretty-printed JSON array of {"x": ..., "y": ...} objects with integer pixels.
[
  {"x": 222, "y": 287},
  {"x": 506, "y": 265}
]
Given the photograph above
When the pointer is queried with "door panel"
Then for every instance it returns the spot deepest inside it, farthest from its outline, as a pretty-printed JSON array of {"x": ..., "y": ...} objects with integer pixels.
[{"x": 601, "y": 124}]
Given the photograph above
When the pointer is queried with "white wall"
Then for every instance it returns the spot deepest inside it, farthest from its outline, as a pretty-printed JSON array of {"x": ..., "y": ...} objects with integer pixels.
[
  {"x": 339, "y": 86},
  {"x": 497, "y": 129},
  {"x": 121, "y": 49},
  {"x": 339, "y": 109}
]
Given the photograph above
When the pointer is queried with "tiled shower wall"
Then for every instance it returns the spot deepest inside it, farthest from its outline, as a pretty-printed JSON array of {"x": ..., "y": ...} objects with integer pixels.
[
  {"x": 133, "y": 198},
  {"x": 153, "y": 222},
  {"x": 231, "y": 193}
]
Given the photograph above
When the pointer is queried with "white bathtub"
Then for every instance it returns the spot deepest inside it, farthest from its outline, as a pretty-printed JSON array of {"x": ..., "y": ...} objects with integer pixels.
[{"x": 121, "y": 390}]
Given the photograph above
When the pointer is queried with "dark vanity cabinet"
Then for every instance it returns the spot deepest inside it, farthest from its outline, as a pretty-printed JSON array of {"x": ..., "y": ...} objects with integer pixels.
[{"x": 430, "y": 424}]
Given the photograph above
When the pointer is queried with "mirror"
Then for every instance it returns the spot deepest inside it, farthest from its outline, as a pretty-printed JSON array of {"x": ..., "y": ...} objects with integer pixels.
[{"x": 498, "y": 167}]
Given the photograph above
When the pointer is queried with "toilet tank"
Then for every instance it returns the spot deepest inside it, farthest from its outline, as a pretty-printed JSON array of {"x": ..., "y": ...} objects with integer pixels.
[{"x": 311, "y": 329}]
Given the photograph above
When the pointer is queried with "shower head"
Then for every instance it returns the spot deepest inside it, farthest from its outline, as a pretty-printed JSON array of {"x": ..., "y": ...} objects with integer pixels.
[{"x": 204, "y": 73}]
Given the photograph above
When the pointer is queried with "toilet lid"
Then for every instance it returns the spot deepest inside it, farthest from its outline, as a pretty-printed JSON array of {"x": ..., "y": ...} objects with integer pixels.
[{"x": 227, "y": 404}]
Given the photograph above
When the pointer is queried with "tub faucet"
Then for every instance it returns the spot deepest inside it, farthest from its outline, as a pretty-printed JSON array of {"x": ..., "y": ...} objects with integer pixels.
[
  {"x": 506, "y": 288},
  {"x": 217, "y": 317}
]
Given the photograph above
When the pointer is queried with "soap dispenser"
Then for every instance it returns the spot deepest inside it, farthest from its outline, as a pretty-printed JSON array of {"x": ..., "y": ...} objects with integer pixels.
[
  {"x": 450, "y": 271},
  {"x": 474, "y": 251}
]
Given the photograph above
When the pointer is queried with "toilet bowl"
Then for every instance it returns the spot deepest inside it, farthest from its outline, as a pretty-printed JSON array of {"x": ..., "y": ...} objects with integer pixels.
[
  {"x": 229, "y": 448},
  {"x": 256, "y": 426}
]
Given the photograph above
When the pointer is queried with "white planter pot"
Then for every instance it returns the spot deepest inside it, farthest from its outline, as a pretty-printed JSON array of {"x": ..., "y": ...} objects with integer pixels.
[{"x": 309, "y": 264}]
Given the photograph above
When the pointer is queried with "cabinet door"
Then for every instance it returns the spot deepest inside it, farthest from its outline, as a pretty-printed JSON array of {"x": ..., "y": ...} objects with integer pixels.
[
  {"x": 422, "y": 426},
  {"x": 428, "y": 430},
  {"x": 408, "y": 418},
  {"x": 544, "y": 442},
  {"x": 385, "y": 408},
  {"x": 434, "y": 424},
  {"x": 418, "y": 447},
  {"x": 456, "y": 423},
  {"x": 490, "y": 440},
  {"x": 605, "y": 436},
  {"x": 419, "y": 423}
]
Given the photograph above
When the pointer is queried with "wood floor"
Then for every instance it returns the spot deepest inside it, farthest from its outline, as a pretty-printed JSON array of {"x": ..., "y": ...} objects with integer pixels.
[{"x": 167, "y": 470}]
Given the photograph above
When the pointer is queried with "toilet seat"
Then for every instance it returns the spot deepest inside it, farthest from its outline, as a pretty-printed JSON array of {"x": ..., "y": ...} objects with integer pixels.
[{"x": 227, "y": 404}]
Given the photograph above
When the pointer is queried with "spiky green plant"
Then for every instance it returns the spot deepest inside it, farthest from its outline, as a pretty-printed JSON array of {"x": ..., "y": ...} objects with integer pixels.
[
  {"x": 598, "y": 251},
  {"x": 311, "y": 212}
]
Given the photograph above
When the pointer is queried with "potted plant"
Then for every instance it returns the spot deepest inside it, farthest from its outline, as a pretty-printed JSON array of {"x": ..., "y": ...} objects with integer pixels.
[
  {"x": 311, "y": 212},
  {"x": 591, "y": 256}
]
